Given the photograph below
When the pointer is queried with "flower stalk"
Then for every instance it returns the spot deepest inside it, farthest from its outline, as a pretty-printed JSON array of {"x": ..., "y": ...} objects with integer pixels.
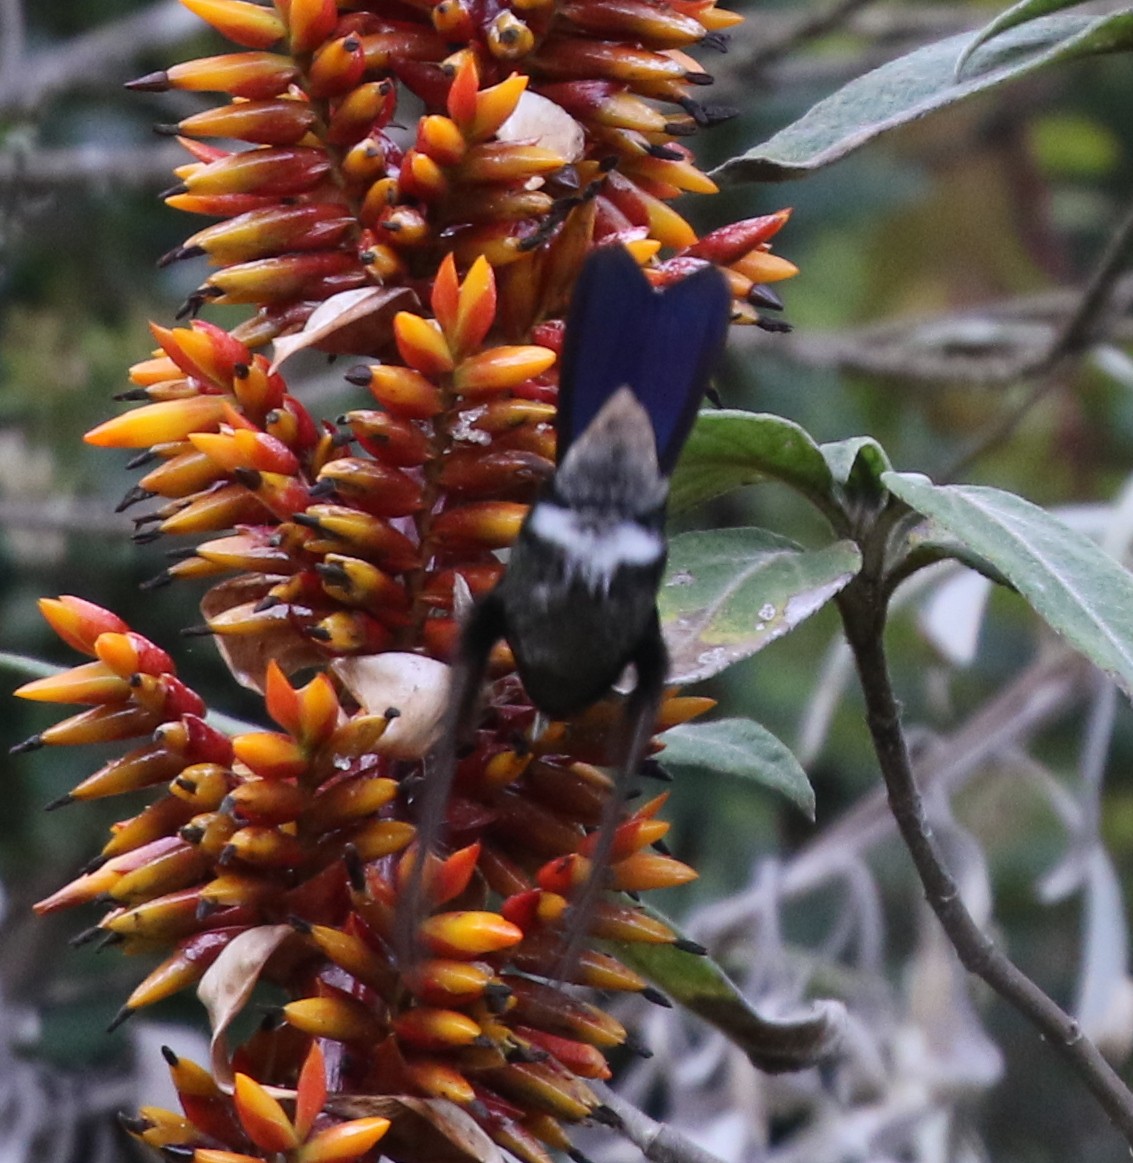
[{"x": 340, "y": 556}]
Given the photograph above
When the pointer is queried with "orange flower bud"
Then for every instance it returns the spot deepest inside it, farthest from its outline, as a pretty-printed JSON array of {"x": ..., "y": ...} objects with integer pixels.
[
  {"x": 375, "y": 487},
  {"x": 578, "y": 1057},
  {"x": 154, "y": 423},
  {"x": 500, "y": 368},
  {"x": 403, "y": 42},
  {"x": 499, "y": 161},
  {"x": 239, "y": 21},
  {"x": 509, "y": 38},
  {"x": 270, "y": 280},
  {"x": 144, "y": 767},
  {"x": 250, "y": 74},
  {"x": 360, "y": 110},
  {"x": 337, "y": 67},
  {"x": 421, "y": 177},
  {"x": 406, "y": 393},
  {"x": 479, "y": 525},
  {"x": 440, "y": 1080},
  {"x": 350, "y": 800},
  {"x": 260, "y": 233},
  {"x": 262, "y": 1117},
  {"x": 201, "y": 786},
  {"x": 92, "y": 683},
  {"x": 352, "y": 954},
  {"x": 548, "y": 1086},
  {"x": 381, "y": 838},
  {"x": 365, "y": 535},
  {"x": 273, "y": 121},
  {"x": 266, "y": 801},
  {"x": 421, "y": 344},
  {"x": 156, "y": 821},
  {"x": 343, "y": 1143},
  {"x": 273, "y": 170},
  {"x": 763, "y": 267},
  {"x": 389, "y": 438},
  {"x": 79, "y": 622},
  {"x": 428, "y": 1028},
  {"x": 271, "y": 755},
  {"x": 264, "y": 847},
  {"x": 468, "y": 935},
  {"x": 167, "y": 918},
  {"x": 445, "y": 982},
  {"x": 453, "y": 20},
  {"x": 470, "y": 473},
  {"x": 439, "y": 136},
  {"x": 340, "y": 1018},
  {"x": 653, "y": 25},
  {"x": 177, "y": 867},
  {"x": 550, "y": 1009},
  {"x": 181, "y": 475},
  {"x": 310, "y": 22}
]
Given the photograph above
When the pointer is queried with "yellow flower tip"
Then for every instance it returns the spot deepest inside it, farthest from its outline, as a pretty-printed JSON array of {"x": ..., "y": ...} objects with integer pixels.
[
  {"x": 164, "y": 422},
  {"x": 92, "y": 683},
  {"x": 262, "y": 1117},
  {"x": 762, "y": 266},
  {"x": 310, "y": 22},
  {"x": 498, "y": 369},
  {"x": 440, "y": 138},
  {"x": 493, "y": 106},
  {"x": 440, "y": 1080},
  {"x": 431, "y": 1029},
  {"x": 445, "y": 297},
  {"x": 476, "y": 309},
  {"x": 243, "y": 23},
  {"x": 79, "y": 622},
  {"x": 345, "y": 1142},
  {"x": 271, "y": 755},
  {"x": 421, "y": 344},
  {"x": 218, "y": 1155},
  {"x": 509, "y": 38},
  {"x": 468, "y": 934},
  {"x": 340, "y": 1018}
]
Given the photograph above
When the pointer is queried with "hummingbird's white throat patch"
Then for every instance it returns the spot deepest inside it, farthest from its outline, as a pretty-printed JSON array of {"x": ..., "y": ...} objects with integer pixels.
[{"x": 595, "y": 552}]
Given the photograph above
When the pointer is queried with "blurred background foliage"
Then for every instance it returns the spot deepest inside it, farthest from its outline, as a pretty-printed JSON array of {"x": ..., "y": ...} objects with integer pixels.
[{"x": 1006, "y": 198}]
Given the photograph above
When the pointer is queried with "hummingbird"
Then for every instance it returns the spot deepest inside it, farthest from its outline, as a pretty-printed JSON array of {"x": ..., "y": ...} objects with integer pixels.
[{"x": 577, "y": 602}]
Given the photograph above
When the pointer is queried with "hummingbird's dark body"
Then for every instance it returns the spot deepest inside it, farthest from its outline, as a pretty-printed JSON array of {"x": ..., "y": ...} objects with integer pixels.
[{"x": 578, "y": 601}]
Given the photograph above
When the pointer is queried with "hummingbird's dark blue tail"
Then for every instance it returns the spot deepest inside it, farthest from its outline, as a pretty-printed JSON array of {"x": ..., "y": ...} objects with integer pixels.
[{"x": 662, "y": 343}]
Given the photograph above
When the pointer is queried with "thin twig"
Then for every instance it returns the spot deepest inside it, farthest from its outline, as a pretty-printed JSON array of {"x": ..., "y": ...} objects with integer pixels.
[
  {"x": 90, "y": 60},
  {"x": 657, "y": 1142},
  {"x": 42, "y": 170},
  {"x": 863, "y": 615},
  {"x": 1079, "y": 331}
]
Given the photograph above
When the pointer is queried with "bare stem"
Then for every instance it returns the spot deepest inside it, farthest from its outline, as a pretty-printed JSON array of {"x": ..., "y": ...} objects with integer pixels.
[
  {"x": 657, "y": 1142},
  {"x": 863, "y": 613}
]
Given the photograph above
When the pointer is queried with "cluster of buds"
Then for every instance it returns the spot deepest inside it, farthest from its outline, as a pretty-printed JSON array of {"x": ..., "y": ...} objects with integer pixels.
[{"x": 442, "y": 261}]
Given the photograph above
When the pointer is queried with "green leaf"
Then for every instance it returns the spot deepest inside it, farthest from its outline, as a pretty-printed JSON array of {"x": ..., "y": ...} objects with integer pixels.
[
  {"x": 920, "y": 83},
  {"x": 1075, "y": 587},
  {"x": 729, "y": 592},
  {"x": 731, "y": 448},
  {"x": 1017, "y": 14},
  {"x": 743, "y": 749},
  {"x": 856, "y": 463},
  {"x": 27, "y": 667},
  {"x": 701, "y": 986}
]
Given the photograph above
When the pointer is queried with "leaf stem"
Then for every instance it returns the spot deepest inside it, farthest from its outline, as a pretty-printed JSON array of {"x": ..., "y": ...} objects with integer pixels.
[{"x": 862, "y": 605}]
